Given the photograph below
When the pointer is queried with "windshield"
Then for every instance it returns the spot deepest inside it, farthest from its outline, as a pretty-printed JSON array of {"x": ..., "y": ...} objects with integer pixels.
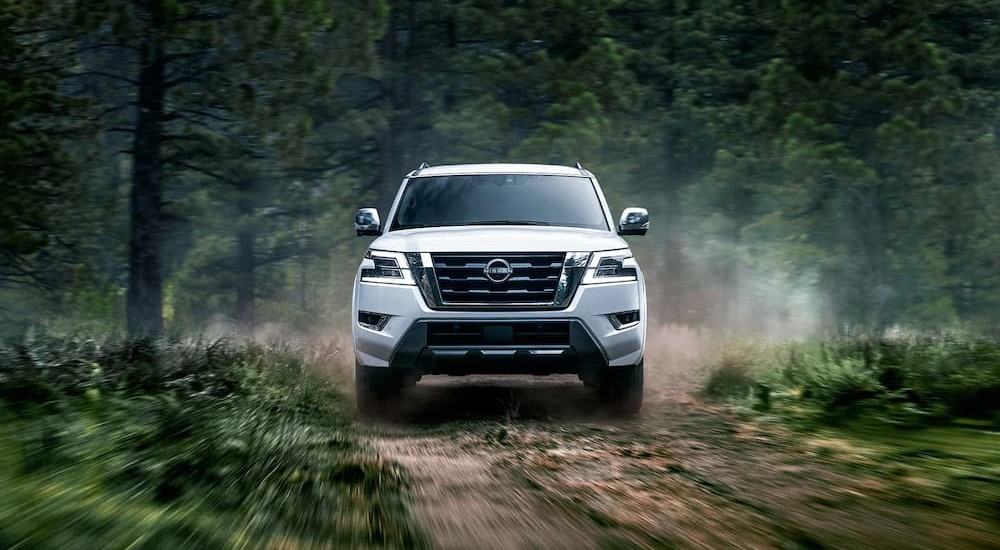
[{"x": 500, "y": 199}]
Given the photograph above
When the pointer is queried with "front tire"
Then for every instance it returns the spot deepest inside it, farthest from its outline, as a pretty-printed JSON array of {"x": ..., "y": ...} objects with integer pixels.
[
  {"x": 621, "y": 388},
  {"x": 376, "y": 389}
]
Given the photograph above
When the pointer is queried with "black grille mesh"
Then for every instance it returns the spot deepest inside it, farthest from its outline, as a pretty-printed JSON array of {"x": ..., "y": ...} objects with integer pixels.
[{"x": 547, "y": 333}]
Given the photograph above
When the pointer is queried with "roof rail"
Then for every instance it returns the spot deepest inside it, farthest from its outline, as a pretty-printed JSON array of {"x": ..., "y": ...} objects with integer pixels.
[
  {"x": 581, "y": 168},
  {"x": 421, "y": 167}
]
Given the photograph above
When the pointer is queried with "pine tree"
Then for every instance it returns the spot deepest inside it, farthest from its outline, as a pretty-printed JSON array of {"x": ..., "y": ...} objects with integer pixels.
[
  {"x": 852, "y": 118},
  {"x": 265, "y": 169},
  {"x": 183, "y": 61},
  {"x": 968, "y": 216},
  {"x": 37, "y": 168}
]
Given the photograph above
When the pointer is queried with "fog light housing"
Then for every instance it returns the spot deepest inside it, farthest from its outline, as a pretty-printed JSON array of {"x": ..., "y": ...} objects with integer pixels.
[
  {"x": 624, "y": 319},
  {"x": 373, "y": 321}
]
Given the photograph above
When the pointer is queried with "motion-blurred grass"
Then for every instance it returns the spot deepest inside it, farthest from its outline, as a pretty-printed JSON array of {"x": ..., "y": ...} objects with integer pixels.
[
  {"x": 185, "y": 444},
  {"x": 909, "y": 380},
  {"x": 920, "y": 411}
]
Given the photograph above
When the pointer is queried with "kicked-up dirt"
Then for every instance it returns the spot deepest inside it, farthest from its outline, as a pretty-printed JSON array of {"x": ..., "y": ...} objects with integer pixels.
[{"x": 528, "y": 462}]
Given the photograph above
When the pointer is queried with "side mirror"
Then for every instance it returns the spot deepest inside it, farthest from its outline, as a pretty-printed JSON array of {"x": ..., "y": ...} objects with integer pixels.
[
  {"x": 634, "y": 221},
  {"x": 366, "y": 222}
]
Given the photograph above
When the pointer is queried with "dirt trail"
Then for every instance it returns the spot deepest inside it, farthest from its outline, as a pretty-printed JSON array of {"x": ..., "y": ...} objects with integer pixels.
[
  {"x": 461, "y": 499},
  {"x": 533, "y": 463},
  {"x": 461, "y": 502}
]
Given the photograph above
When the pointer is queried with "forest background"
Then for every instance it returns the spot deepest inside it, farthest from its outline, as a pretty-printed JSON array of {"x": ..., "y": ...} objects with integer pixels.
[{"x": 182, "y": 167}]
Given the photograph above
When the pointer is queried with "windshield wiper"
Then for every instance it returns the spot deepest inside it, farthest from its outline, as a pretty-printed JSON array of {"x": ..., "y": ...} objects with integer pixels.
[{"x": 507, "y": 222}]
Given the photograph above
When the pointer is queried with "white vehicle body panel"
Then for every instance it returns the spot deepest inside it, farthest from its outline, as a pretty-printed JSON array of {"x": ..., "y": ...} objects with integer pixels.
[
  {"x": 489, "y": 238},
  {"x": 591, "y": 304}
]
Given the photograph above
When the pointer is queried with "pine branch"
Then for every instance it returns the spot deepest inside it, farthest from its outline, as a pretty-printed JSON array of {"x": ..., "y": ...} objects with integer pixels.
[
  {"x": 205, "y": 18},
  {"x": 171, "y": 57},
  {"x": 186, "y": 137},
  {"x": 203, "y": 171},
  {"x": 192, "y": 77},
  {"x": 178, "y": 114},
  {"x": 101, "y": 46},
  {"x": 18, "y": 271},
  {"x": 112, "y": 110},
  {"x": 103, "y": 74}
]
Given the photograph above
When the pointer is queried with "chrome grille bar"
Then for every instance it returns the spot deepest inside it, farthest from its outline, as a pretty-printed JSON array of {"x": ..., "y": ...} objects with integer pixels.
[{"x": 537, "y": 280}]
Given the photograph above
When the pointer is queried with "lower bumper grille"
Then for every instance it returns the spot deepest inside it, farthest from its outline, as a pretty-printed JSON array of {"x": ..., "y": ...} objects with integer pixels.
[{"x": 549, "y": 333}]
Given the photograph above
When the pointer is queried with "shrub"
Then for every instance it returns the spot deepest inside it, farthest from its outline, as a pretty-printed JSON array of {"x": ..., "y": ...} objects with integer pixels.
[
  {"x": 837, "y": 385},
  {"x": 903, "y": 378},
  {"x": 733, "y": 373}
]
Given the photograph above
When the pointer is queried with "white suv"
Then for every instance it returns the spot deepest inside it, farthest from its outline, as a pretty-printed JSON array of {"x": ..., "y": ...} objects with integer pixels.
[{"x": 499, "y": 269}]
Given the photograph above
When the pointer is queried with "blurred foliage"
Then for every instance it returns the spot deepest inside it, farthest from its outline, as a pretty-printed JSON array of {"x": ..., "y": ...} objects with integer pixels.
[
  {"x": 904, "y": 379},
  {"x": 733, "y": 371},
  {"x": 185, "y": 444}
]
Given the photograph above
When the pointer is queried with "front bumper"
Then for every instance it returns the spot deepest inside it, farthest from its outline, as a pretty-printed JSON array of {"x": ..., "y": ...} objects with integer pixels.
[
  {"x": 402, "y": 342},
  {"x": 421, "y": 350}
]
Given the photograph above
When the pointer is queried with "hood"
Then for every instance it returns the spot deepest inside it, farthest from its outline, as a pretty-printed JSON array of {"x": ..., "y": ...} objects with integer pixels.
[{"x": 497, "y": 238}]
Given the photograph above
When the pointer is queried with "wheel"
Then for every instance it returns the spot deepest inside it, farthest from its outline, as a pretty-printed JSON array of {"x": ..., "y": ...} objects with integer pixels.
[
  {"x": 376, "y": 389},
  {"x": 621, "y": 388}
]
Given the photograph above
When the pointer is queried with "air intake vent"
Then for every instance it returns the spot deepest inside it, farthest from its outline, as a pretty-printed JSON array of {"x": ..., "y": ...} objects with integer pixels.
[{"x": 549, "y": 333}]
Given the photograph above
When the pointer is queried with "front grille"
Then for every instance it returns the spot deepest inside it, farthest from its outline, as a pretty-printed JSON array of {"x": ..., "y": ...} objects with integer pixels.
[
  {"x": 548, "y": 333},
  {"x": 461, "y": 278}
]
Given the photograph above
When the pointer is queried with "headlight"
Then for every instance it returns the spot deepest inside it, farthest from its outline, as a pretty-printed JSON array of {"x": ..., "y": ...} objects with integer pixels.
[
  {"x": 386, "y": 267},
  {"x": 614, "y": 266}
]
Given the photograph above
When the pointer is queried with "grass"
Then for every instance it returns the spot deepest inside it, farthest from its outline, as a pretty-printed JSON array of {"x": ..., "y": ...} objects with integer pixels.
[
  {"x": 185, "y": 444},
  {"x": 921, "y": 412},
  {"x": 914, "y": 380},
  {"x": 938, "y": 467}
]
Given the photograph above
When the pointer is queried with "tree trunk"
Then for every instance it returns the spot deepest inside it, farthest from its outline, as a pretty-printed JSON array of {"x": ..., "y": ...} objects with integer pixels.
[
  {"x": 875, "y": 243},
  {"x": 246, "y": 264},
  {"x": 392, "y": 170},
  {"x": 303, "y": 266},
  {"x": 394, "y": 144},
  {"x": 144, "y": 300},
  {"x": 246, "y": 280}
]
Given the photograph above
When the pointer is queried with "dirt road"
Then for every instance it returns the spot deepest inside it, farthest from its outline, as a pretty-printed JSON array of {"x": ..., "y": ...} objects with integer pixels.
[{"x": 533, "y": 463}]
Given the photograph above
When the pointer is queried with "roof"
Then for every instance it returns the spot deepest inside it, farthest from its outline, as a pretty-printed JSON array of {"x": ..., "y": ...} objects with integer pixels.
[{"x": 463, "y": 169}]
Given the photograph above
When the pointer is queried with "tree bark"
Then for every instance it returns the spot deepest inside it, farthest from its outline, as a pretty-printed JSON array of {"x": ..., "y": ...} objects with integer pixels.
[
  {"x": 144, "y": 300},
  {"x": 394, "y": 143},
  {"x": 875, "y": 243},
  {"x": 246, "y": 280},
  {"x": 246, "y": 263}
]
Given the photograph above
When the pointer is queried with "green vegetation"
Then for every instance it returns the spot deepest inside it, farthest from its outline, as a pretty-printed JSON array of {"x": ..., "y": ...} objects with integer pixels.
[
  {"x": 907, "y": 380},
  {"x": 918, "y": 413},
  {"x": 955, "y": 467},
  {"x": 185, "y": 444}
]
